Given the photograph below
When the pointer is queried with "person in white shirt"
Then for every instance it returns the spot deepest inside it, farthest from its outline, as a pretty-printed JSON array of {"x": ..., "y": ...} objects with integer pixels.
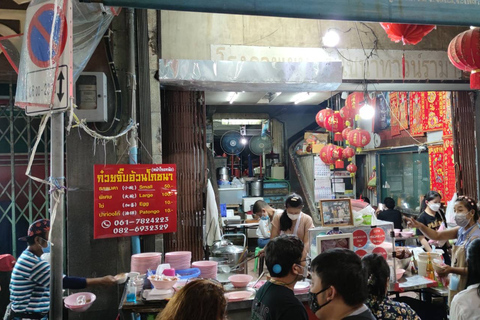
[
  {"x": 265, "y": 213},
  {"x": 466, "y": 304}
]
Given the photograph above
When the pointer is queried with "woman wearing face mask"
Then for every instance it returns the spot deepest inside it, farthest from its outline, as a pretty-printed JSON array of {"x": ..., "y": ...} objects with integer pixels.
[
  {"x": 293, "y": 220},
  {"x": 433, "y": 218},
  {"x": 466, "y": 216}
]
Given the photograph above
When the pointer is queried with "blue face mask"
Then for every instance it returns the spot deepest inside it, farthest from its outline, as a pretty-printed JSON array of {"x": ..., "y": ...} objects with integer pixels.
[
  {"x": 264, "y": 218},
  {"x": 48, "y": 248}
]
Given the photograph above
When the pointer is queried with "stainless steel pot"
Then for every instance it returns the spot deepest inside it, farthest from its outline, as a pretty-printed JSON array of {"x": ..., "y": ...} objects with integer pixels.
[
  {"x": 256, "y": 188},
  {"x": 222, "y": 173},
  {"x": 229, "y": 255}
]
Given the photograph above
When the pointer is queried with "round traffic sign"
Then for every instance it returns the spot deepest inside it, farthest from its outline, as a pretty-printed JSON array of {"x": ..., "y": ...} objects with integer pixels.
[{"x": 47, "y": 36}]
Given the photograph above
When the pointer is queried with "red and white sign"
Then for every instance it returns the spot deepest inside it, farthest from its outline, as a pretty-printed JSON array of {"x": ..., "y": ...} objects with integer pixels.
[
  {"x": 360, "y": 238},
  {"x": 381, "y": 251},
  {"x": 377, "y": 236},
  {"x": 137, "y": 199},
  {"x": 361, "y": 253},
  {"x": 45, "y": 80}
]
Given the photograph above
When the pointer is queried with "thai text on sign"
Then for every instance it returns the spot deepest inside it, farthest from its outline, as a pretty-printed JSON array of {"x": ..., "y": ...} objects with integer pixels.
[{"x": 134, "y": 200}]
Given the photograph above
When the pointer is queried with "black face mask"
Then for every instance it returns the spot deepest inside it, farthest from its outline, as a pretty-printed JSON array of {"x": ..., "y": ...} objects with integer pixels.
[{"x": 313, "y": 303}]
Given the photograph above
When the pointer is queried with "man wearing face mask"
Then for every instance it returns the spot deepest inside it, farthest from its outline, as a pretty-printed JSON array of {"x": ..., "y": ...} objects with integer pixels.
[
  {"x": 467, "y": 230},
  {"x": 286, "y": 262},
  {"x": 339, "y": 286},
  {"x": 30, "y": 281}
]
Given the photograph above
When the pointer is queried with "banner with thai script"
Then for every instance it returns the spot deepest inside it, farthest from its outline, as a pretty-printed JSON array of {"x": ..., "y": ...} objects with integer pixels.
[
  {"x": 137, "y": 199},
  {"x": 434, "y": 111},
  {"x": 416, "y": 107},
  {"x": 394, "y": 114},
  {"x": 435, "y": 155},
  {"x": 449, "y": 168},
  {"x": 448, "y": 122}
]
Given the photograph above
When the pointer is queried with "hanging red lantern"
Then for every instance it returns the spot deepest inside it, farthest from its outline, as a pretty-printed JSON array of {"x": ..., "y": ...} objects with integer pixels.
[
  {"x": 359, "y": 138},
  {"x": 335, "y": 123},
  {"x": 321, "y": 116},
  {"x": 345, "y": 133},
  {"x": 407, "y": 33},
  {"x": 352, "y": 168},
  {"x": 325, "y": 154},
  {"x": 338, "y": 156},
  {"x": 354, "y": 102},
  {"x": 348, "y": 153},
  {"x": 464, "y": 53},
  {"x": 347, "y": 114}
]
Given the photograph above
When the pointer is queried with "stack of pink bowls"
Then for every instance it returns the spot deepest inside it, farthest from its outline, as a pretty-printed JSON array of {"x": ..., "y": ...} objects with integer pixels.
[
  {"x": 141, "y": 262},
  {"x": 179, "y": 260},
  {"x": 208, "y": 269}
]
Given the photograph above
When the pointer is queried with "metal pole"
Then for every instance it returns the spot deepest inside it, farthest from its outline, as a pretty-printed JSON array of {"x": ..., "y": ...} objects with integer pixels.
[
  {"x": 132, "y": 83},
  {"x": 12, "y": 172},
  {"x": 57, "y": 156}
]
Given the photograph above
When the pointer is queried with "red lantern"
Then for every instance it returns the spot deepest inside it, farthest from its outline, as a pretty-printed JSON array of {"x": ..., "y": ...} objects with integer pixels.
[
  {"x": 464, "y": 53},
  {"x": 354, "y": 102},
  {"x": 348, "y": 153},
  {"x": 325, "y": 153},
  {"x": 345, "y": 133},
  {"x": 321, "y": 116},
  {"x": 359, "y": 138},
  {"x": 347, "y": 114},
  {"x": 335, "y": 123},
  {"x": 407, "y": 33},
  {"x": 352, "y": 168}
]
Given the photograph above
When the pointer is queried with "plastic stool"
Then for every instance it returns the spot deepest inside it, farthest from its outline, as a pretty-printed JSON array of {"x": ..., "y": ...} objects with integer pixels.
[{"x": 257, "y": 250}]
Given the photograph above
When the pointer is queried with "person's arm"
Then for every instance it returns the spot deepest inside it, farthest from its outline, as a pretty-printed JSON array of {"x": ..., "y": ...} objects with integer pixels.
[
  {"x": 82, "y": 283},
  {"x": 457, "y": 270},
  {"x": 102, "y": 281},
  {"x": 41, "y": 274},
  {"x": 433, "y": 234},
  {"x": 275, "y": 227},
  {"x": 425, "y": 243}
]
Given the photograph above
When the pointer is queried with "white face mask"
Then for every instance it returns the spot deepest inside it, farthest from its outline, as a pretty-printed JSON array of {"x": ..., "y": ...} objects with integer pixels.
[
  {"x": 293, "y": 216},
  {"x": 434, "y": 206},
  {"x": 461, "y": 219}
]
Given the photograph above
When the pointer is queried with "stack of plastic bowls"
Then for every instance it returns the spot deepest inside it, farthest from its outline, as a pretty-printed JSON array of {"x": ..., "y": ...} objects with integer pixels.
[
  {"x": 208, "y": 269},
  {"x": 179, "y": 260},
  {"x": 141, "y": 262}
]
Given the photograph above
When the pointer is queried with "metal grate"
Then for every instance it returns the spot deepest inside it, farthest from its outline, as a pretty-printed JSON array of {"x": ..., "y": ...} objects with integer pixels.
[
  {"x": 463, "y": 109},
  {"x": 184, "y": 144},
  {"x": 22, "y": 200}
]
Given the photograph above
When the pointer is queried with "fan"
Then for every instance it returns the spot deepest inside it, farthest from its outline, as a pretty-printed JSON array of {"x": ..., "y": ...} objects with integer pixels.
[
  {"x": 259, "y": 145},
  {"x": 231, "y": 144}
]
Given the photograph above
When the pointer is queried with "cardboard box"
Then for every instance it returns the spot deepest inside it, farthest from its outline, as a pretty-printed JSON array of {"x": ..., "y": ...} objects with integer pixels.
[
  {"x": 315, "y": 138},
  {"x": 317, "y": 147}
]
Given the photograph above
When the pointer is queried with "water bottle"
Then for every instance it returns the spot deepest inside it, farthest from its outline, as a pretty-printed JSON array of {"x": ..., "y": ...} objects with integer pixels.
[{"x": 131, "y": 292}]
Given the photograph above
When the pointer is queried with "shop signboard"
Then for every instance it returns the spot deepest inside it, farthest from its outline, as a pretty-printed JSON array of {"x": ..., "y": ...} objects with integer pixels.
[{"x": 132, "y": 200}]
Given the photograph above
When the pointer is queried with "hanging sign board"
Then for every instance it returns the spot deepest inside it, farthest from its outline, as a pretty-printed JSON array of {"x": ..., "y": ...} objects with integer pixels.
[
  {"x": 45, "y": 79},
  {"x": 137, "y": 199}
]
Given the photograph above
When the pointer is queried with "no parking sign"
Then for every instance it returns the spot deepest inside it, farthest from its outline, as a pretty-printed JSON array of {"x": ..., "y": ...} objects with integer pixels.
[{"x": 45, "y": 75}]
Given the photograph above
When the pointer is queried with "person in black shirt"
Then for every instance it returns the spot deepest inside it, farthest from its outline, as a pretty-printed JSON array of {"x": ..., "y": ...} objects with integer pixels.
[
  {"x": 339, "y": 286},
  {"x": 432, "y": 217},
  {"x": 391, "y": 214},
  {"x": 286, "y": 262}
]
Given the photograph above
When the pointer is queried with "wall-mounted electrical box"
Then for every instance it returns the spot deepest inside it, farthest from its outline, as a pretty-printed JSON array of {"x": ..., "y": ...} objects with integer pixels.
[{"x": 91, "y": 96}]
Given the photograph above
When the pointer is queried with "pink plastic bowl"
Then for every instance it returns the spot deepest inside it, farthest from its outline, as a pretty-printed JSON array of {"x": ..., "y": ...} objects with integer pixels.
[
  {"x": 71, "y": 301},
  {"x": 165, "y": 284},
  {"x": 399, "y": 273},
  {"x": 406, "y": 234},
  {"x": 240, "y": 280},
  {"x": 205, "y": 263}
]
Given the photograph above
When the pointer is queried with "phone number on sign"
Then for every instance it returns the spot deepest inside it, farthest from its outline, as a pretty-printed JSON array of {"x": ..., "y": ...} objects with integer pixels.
[
  {"x": 140, "y": 221},
  {"x": 156, "y": 227}
]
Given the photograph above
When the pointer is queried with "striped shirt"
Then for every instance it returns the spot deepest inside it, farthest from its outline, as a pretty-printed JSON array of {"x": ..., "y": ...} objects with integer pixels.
[{"x": 30, "y": 284}]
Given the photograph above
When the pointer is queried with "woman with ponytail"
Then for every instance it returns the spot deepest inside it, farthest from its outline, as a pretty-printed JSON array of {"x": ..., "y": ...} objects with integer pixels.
[{"x": 293, "y": 220}]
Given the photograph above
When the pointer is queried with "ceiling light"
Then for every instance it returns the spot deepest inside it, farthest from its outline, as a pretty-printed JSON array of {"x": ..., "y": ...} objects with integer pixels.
[
  {"x": 472, "y": 27},
  {"x": 331, "y": 38},
  {"x": 301, "y": 97},
  {"x": 243, "y": 141},
  {"x": 367, "y": 112},
  {"x": 232, "y": 96},
  {"x": 226, "y": 122}
]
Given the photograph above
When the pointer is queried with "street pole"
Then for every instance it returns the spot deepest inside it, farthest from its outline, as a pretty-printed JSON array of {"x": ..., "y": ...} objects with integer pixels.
[{"x": 57, "y": 196}]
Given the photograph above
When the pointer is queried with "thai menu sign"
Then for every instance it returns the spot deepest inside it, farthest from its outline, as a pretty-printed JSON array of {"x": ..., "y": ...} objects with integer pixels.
[{"x": 134, "y": 200}]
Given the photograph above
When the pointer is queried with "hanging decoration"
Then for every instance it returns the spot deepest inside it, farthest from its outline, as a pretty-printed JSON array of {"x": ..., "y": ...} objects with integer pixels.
[
  {"x": 407, "y": 33},
  {"x": 436, "y": 159},
  {"x": 321, "y": 116},
  {"x": 354, "y": 102},
  {"x": 394, "y": 114},
  {"x": 448, "y": 168},
  {"x": 325, "y": 154},
  {"x": 352, "y": 168},
  {"x": 417, "y": 102},
  {"x": 359, "y": 138},
  {"x": 346, "y": 131},
  {"x": 464, "y": 53},
  {"x": 348, "y": 153},
  {"x": 347, "y": 114},
  {"x": 335, "y": 123},
  {"x": 434, "y": 111},
  {"x": 448, "y": 122}
]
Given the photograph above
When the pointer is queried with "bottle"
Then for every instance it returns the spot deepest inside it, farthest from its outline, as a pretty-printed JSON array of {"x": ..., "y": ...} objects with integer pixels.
[
  {"x": 131, "y": 292},
  {"x": 430, "y": 272},
  {"x": 414, "y": 267}
]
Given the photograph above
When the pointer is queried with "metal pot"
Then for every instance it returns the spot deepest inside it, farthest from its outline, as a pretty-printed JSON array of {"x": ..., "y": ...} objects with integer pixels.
[
  {"x": 256, "y": 188},
  {"x": 230, "y": 255},
  {"x": 222, "y": 173}
]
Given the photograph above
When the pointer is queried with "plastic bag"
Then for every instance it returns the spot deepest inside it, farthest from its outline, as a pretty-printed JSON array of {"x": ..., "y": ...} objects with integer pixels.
[
  {"x": 449, "y": 213},
  {"x": 365, "y": 216}
]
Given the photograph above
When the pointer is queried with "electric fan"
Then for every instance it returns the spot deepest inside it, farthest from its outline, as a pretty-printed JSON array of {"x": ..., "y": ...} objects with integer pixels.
[
  {"x": 259, "y": 145},
  {"x": 231, "y": 144}
]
